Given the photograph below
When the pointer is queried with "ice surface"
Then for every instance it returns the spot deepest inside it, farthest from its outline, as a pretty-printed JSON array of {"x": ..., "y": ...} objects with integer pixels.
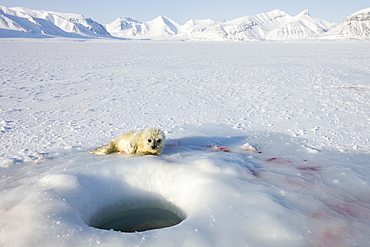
[{"x": 268, "y": 143}]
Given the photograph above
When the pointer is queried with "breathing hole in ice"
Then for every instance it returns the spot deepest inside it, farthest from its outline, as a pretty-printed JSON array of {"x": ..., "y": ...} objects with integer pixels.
[{"x": 138, "y": 219}]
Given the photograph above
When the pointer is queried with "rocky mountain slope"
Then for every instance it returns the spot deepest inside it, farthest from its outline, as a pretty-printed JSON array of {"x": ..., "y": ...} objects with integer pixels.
[{"x": 357, "y": 25}]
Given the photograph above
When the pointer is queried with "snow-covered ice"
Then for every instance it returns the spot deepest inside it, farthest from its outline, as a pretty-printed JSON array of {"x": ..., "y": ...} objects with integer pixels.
[{"x": 304, "y": 106}]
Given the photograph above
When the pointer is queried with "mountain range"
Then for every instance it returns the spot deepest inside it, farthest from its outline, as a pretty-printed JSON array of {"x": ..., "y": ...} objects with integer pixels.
[
  {"x": 23, "y": 22},
  {"x": 273, "y": 25}
]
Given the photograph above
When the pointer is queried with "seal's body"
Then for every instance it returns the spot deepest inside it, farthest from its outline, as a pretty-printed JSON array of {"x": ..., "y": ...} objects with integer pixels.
[{"x": 141, "y": 142}]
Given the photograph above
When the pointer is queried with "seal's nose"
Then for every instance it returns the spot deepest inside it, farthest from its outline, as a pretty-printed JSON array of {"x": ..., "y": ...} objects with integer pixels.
[{"x": 155, "y": 146}]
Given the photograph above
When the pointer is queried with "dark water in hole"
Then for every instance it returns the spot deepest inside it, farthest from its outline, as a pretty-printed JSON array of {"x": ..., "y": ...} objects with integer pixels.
[{"x": 139, "y": 219}]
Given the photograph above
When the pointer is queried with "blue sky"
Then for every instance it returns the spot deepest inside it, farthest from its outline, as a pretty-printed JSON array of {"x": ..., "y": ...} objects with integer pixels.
[{"x": 105, "y": 11}]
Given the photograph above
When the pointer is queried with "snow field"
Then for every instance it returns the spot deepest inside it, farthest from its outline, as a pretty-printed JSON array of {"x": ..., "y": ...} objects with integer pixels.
[
  {"x": 305, "y": 106},
  {"x": 56, "y": 92}
]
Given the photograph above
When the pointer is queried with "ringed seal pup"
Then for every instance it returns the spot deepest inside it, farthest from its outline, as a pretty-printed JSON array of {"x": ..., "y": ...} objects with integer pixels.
[{"x": 141, "y": 142}]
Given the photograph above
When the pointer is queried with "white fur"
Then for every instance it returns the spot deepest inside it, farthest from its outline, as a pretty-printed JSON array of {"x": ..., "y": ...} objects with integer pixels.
[{"x": 141, "y": 142}]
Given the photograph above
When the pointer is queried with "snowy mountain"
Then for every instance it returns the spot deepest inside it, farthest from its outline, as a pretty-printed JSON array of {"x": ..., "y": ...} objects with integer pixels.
[
  {"x": 202, "y": 30},
  {"x": 357, "y": 25},
  {"x": 120, "y": 26},
  {"x": 274, "y": 25},
  {"x": 299, "y": 27},
  {"x": 38, "y": 22},
  {"x": 159, "y": 28}
]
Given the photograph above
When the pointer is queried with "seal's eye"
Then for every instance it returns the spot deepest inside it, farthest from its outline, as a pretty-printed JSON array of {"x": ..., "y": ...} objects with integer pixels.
[
  {"x": 149, "y": 140},
  {"x": 159, "y": 140}
]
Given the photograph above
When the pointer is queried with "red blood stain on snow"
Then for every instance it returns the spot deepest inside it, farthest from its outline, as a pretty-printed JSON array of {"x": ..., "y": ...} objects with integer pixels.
[
  {"x": 40, "y": 161},
  {"x": 281, "y": 161},
  {"x": 345, "y": 212},
  {"x": 329, "y": 231},
  {"x": 353, "y": 210},
  {"x": 223, "y": 149},
  {"x": 4, "y": 209},
  {"x": 359, "y": 89},
  {"x": 217, "y": 148}
]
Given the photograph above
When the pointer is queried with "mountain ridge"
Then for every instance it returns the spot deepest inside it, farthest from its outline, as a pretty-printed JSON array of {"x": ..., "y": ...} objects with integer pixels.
[
  {"x": 275, "y": 25},
  {"x": 355, "y": 26},
  {"x": 41, "y": 22}
]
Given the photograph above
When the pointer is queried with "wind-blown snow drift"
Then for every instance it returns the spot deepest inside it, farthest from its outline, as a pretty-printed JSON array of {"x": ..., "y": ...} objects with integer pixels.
[{"x": 305, "y": 106}]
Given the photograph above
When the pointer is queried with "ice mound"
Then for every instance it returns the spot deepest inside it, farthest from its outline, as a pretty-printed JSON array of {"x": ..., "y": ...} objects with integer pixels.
[
  {"x": 130, "y": 212},
  {"x": 202, "y": 191}
]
